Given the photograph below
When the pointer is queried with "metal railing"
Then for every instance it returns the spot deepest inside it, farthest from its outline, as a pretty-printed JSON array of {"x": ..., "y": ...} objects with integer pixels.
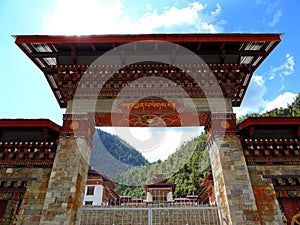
[{"x": 161, "y": 214}]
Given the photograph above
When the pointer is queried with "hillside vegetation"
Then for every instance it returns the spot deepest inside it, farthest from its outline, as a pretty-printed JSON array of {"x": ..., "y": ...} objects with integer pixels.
[
  {"x": 186, "y": 167},
  {"x": 289, "y": 111}
]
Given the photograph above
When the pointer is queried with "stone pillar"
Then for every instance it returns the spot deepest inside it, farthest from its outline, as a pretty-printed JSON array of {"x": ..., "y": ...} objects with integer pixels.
[
  {"x": 232, "y": 183},
  {"x": 69, "y": 173}
]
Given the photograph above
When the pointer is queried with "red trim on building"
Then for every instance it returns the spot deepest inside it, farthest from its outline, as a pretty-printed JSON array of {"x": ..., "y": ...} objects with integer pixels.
[
  {"x": 18, "y": 123},
  {"x": 125, "y": 38},
  {"x": 269, "y": 121},
  {"x": 94, "y": 175},
  {"x": 94, "y": 182}
]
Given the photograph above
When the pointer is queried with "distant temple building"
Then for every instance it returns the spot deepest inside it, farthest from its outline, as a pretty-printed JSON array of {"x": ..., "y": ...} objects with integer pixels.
[
  {"x": 99, "y": 190},
  {"x": 162, "y": 191},
  {"x": 159, "y": 190},
  {"x": 206, "y": 195}
]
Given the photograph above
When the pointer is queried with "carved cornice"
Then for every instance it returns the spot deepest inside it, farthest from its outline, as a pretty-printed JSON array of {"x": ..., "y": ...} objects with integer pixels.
[
  {"x": 272, "y": 151},
  {"x": 27, "y": 154}
]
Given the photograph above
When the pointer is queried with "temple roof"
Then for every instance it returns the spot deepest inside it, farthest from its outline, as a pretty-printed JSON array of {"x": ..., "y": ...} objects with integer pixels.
[
  {"x": 159, "y": 181},
  {"x": 93, "y": 174},
  {"x": 28, "y": 142},
  {"x": 270, "y": 127},
  {"x": 29, "y": 123},
  {"x": 271, "y": 140},
  {"x": 232, "y": 57},
  {"x": 269, "y": 121},
  {"x": 27, "y": 130}
]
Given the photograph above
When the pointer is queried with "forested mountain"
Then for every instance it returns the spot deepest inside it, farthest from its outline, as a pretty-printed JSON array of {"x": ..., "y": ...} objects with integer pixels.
[
  {"x": 186, "y": 167},
  {"x": 121, "y": 150},
  {"x": 112, "y": 155},
  {"x": 291, "y": 110}
]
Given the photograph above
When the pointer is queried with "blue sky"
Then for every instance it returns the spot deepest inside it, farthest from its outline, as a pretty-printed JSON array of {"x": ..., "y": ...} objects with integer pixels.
[{"x": 26, "y": 94}]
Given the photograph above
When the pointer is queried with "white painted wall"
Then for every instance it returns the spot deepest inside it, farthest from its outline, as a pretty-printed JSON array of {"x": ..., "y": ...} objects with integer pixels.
[
  {"x": 97, "y": 197},
  {"x": 149, "y": 197},
  {"x": 169, "y": 196}
]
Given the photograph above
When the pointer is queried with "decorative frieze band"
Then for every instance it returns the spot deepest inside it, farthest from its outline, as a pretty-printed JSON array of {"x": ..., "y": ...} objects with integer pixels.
[
  {"x": 27, "y": 154},
  {"x": 272, "y": 151}
]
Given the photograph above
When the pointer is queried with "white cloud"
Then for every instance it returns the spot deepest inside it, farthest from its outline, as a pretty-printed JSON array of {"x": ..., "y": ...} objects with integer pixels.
[
  {"x": 148, "y": 6},
  {"x": 141, "y": 133},
  {"x": 108, "y": 17},
  {"x": 282, "y": 87},
  {"x": 217, "y": 11},
  {"x": 276, "y": 18},
  {"x": 285, "y": 69},
  {"x": 273, "y": 11},
  {"x": 281, "y": 100},
  {"x": 254, "y": 98},
  {"x": 254, "y": 101},
  {"x": 272, "y": 7},
  {"x": 84, "y": 17},
  {"x": 172, "y": 16}
]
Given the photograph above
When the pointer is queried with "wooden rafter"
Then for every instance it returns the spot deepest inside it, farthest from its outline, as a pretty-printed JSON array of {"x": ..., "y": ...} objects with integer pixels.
[{"x": 64, "y": 50}]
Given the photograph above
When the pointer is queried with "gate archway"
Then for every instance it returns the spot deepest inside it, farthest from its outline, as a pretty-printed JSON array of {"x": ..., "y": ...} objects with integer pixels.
[{"x": 209, "y": 90}]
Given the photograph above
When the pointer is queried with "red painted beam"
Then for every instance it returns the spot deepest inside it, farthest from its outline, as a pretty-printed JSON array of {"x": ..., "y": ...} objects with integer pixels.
[
  {"x": 268, "y": 121},
  {"x": 147, "y": 37},
  {"x": 30, "y": 123},
  {"x": 152, "y": 120}
]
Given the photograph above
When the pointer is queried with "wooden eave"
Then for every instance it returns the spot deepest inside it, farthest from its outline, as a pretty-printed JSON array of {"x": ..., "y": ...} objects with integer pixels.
[
  {"x": 29, "y": 123},
  {"x": 269, "y": 121},
  {"x": 53, "y": 51}
]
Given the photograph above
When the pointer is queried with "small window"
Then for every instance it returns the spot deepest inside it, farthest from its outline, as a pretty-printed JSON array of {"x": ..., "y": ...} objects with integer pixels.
[
  {"x": 88, "y": 203},
  {"x": 90, "y": 190}
]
